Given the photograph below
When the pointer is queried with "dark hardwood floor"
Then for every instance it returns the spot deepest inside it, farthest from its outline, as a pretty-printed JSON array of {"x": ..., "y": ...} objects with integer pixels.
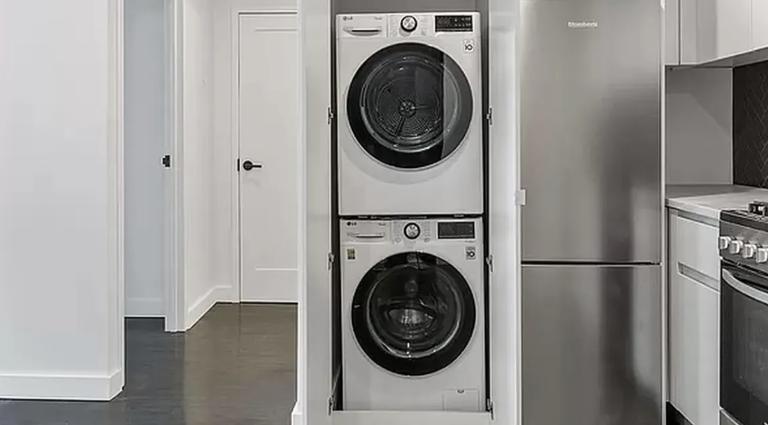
[{"x": 237, "y": 366}]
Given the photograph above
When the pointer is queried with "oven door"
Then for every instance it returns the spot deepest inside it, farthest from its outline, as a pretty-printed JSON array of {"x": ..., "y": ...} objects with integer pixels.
[{"x": 744, "y": 346}]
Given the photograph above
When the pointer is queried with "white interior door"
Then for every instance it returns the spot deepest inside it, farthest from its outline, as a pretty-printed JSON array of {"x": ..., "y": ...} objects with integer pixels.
[
  {"x": 146, "y": 141},
  {"x": 269, "y": 138}
]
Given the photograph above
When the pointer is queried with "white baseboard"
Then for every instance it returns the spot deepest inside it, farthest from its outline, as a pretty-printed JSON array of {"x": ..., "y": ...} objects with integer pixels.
[
  {"x": 195, "y": 312},
  {"x": 61, "y": 387},
  {"x": 350, "y": 417},
  {"x": 144, "y": 307},
  {"x": 297, "y": 415}
]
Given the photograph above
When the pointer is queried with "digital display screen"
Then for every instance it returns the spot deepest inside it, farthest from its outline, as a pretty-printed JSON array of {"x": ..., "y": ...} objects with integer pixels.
[
  {"x": 456, "y": 230},
  {"x": 453, "y": 23}
]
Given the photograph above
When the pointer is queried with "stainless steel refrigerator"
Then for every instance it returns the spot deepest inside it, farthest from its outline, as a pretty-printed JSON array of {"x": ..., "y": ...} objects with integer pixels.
[{"x": 591, "y": 226}]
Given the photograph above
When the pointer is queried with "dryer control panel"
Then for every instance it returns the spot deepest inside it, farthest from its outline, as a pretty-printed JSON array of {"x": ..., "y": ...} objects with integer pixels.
[{"x": 408, "y": 25}]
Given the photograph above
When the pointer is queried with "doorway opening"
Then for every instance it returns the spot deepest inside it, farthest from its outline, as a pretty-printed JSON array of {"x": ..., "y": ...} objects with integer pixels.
[{"x": 151, "y": 241}]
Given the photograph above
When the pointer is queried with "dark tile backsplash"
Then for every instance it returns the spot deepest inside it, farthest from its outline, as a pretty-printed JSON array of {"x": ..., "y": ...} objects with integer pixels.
[{"x": 750, "y": 125}]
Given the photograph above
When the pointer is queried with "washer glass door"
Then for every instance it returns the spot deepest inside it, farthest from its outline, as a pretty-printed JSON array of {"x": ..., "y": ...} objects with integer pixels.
[
  {"x": 409, "y": 105},
  {"x": 413, "y": 314}
]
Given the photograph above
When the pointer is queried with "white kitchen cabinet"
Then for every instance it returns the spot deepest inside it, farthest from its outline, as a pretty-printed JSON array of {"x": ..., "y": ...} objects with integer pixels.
[
  {"x": 694, "y": 317},
  {"x": 759, "y": 24},
  {"x": 672, "y": 32},
  {"x": 714, "y": 29}
]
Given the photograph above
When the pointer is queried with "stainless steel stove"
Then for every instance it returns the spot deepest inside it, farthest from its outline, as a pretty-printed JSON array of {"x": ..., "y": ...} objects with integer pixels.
[{"x": 744, "y": 316}]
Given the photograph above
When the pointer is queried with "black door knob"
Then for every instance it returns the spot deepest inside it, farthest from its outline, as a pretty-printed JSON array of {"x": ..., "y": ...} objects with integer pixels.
[{"x": 248, "y": 165}]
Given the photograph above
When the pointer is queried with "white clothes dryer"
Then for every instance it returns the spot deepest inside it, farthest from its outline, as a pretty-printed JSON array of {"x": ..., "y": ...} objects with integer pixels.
[{"x": 410, "y": 131}]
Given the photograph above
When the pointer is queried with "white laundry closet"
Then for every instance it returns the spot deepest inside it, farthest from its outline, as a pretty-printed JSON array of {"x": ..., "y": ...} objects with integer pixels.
[{"x": 319, "y": 371}]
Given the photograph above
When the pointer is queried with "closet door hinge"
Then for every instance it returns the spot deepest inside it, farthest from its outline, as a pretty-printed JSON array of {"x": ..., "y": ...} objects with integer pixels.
[
  {"x": 331, "y": 115},
  {"x": 331, "y": 403},
  {"x": 489, "y": 261},
  {"x": 331, "y": 260},
  {"x": 166, "y": 161},
  {"x": 489, "y": 407},
  {"x": 489, "y": 116}
]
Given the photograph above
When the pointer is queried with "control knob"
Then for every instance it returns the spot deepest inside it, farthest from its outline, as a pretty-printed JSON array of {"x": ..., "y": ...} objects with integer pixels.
[
  {"x": 412, "y": 231},
  {"x": 724, "y": 242},
  {"x": 409, "y": 23},
  {"x": 762, "y": 255},
  {"x": 749, "y": 250},
  {"x": 735, "y": 246}
]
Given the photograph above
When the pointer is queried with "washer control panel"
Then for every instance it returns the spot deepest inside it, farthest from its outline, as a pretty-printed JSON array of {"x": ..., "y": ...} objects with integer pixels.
[{"x": 410, "y": 230}]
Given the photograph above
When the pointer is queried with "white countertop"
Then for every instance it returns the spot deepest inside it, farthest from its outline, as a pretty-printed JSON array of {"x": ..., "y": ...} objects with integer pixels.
[{"x": 709, "y": 200}]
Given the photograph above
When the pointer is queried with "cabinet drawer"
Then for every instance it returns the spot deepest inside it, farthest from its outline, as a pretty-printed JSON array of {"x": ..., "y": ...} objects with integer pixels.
[{"x": 694, "y": 245}]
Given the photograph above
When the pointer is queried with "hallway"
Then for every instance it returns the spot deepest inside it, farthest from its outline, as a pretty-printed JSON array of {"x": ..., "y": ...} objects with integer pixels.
[{"x": 237, "y": 366}]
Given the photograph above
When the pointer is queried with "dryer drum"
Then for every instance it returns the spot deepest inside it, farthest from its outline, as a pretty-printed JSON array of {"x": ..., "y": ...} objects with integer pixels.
[
  {"x": 413, "y": 314},
  {"x": 410, "y": 105}
]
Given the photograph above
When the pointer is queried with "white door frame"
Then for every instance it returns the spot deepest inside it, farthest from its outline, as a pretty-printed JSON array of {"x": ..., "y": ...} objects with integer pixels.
[
  {"x": 237, "y": 246},
  {"x": 174, "y": 239}
]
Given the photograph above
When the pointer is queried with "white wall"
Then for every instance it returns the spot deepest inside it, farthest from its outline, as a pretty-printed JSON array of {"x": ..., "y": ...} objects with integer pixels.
[
  {"x": 146, "y": 90},
  {"x": 59, "y": 221},
  {"x": 699, "y": 135}
]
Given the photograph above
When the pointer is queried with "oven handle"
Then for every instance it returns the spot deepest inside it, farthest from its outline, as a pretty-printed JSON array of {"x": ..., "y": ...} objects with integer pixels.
[{"x": 745, "y": 289}]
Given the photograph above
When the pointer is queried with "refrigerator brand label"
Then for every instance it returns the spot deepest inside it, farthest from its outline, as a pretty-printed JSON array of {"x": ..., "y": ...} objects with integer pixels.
[{"x": 582, "y": 25}]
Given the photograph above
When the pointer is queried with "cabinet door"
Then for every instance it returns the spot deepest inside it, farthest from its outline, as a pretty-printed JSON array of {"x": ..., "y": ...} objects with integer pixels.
[
  {"x": 694, "y": 350},
  {"x": 672, "y": 32},
  {"x": 759, "y": 24},
  {"x": 714, "y": 29},
  {"x": 694, "y": 330}
]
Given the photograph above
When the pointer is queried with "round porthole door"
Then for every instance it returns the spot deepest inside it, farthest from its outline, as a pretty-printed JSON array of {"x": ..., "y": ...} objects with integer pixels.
[
  {"x": 410, "y": 106},
  {"x": 413, "y": 314}
]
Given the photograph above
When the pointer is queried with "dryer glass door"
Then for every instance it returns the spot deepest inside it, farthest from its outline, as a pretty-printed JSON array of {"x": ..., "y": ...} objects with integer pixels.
[
  {"x": 413, "y": 314},
  {"x": 410, "y": 106}
]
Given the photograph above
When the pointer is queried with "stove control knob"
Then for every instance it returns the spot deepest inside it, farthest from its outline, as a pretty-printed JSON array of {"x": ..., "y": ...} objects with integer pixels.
[
  {"x": 749, "y": 250},
  {"x": 762, "y": 255},
  {"x": 724, "y": 242},
  {"x": 735, "y": 246},
  {"x": 412, "y": 231}
]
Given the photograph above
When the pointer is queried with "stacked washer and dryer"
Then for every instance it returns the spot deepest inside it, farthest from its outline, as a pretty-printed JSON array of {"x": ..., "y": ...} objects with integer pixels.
[{"x": 411, "y": 197}]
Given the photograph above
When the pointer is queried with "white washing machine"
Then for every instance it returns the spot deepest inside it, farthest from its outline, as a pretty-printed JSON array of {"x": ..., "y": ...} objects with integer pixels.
[
  {"x": 413, "y": 315},
  {"x": 409, "y": 109}
]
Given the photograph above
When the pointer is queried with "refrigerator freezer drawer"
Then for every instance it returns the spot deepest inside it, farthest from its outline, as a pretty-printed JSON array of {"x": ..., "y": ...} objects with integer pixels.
[{"x": 592, "y": 345}]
